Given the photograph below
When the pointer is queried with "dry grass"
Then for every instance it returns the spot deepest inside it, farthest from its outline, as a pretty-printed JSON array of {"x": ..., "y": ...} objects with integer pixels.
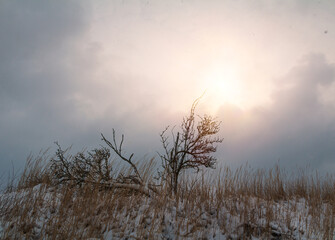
[{"x": 229, "y": 204}]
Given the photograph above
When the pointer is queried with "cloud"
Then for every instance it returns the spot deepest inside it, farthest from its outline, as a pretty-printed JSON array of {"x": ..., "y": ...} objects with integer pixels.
[
  {"x": 37, "y": 45},
  {"x": 72, "y": 69},
  {"x": 54, "y": 85},
  {"x": 297, "y": 128}
]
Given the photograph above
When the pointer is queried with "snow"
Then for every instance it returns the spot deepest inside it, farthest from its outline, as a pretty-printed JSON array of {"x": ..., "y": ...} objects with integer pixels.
[{"x": 292, "y": 219}]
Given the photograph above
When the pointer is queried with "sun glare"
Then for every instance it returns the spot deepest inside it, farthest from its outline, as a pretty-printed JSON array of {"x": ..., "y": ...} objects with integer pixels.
[{"x": 223, "y": 84}]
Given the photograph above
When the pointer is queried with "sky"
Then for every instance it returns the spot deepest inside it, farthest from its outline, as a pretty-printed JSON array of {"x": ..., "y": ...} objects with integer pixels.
[{"x": 70, "y": 70}]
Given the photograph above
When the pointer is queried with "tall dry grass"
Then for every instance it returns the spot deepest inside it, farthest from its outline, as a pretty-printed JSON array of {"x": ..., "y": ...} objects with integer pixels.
[{"x": 230, "y": 204}]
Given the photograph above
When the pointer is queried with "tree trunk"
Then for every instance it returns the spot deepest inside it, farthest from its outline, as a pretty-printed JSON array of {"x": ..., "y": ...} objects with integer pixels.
[{"x": 175, "y": 183}]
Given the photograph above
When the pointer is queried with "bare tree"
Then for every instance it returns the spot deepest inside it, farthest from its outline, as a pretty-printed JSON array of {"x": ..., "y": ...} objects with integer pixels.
[
  {"x": 91, "y": 167},
  {"x": 95, "y": 168},
  {"x": 191, "y": 146}
]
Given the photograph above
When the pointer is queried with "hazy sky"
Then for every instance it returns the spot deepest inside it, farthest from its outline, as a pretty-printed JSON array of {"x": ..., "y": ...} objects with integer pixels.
[{"x": 72, "y": 69}]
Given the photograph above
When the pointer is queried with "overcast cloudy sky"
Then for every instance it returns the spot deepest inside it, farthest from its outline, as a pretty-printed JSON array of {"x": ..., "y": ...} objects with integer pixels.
[{"x": 72, "y": 69}]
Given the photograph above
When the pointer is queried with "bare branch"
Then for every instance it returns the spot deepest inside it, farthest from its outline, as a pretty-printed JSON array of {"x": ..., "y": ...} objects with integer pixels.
[{"x": 118, "y": 151}]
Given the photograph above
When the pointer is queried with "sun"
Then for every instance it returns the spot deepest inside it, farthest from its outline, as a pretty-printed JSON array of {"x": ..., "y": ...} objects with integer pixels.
[{"x": 223, "y": 84}]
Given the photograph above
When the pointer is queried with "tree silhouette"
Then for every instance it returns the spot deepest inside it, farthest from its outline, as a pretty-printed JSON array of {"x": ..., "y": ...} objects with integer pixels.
[{"x": 191, "y": 147}]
